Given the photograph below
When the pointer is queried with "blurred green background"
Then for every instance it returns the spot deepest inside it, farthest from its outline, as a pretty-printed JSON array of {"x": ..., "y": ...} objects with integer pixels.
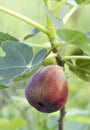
[{"x": 15, "y": 112}]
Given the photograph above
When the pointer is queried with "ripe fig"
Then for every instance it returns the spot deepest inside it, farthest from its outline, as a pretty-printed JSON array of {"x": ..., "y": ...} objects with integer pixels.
[{"x": 47, "y": 90}]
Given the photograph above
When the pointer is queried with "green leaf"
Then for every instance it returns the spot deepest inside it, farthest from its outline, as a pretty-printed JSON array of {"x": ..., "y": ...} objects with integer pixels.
[
  {"x": 71, "y": 50},
  {"x": 33, "y": 33},
  {"x": 76, "y": 38},
  {"x": 77, "y": 44},
  {"x": 83, "y": 1},
  {"x": 80, "y": 71},
  {"x": 25, "y": 75},
  {"x": 18, "y": 60},
  {"x": 83, "y": 63},
  {"x": 83, "y": 68},
  {"x": 35, "y": 64},
  {"x": 39, "y": 57},
  {"x": 6, "y": 37}
]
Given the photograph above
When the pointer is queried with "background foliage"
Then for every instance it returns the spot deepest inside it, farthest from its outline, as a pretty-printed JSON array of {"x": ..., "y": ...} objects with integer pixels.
[{"x": 15, "y": 113}]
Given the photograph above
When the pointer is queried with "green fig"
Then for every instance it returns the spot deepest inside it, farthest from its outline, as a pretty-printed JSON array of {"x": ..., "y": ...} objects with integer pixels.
[{"x": 47, "y": 90}]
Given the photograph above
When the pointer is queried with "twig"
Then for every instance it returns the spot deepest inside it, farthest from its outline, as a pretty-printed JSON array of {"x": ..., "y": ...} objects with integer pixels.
[{"x": 61, "y": 119}]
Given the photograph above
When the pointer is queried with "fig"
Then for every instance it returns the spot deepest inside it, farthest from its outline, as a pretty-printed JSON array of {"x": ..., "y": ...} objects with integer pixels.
[{"x": 47, "y": 90}]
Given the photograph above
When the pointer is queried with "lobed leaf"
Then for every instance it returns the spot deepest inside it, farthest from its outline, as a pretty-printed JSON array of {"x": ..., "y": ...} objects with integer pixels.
[
  {"x": 18, "y": 61},
  {"x": 36, "y": 61}
]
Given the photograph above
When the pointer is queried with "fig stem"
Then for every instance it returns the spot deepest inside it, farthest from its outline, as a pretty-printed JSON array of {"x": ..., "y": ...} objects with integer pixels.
[{"x": 61, "y": 119}]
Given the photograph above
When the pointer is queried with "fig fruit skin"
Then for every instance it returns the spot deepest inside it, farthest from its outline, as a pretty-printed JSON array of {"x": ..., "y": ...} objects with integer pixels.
[{"x": 47, "y": 90}]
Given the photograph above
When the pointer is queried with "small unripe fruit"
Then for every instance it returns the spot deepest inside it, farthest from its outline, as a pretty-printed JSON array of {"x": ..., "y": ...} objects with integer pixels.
[{"x": 47, "y": 90}]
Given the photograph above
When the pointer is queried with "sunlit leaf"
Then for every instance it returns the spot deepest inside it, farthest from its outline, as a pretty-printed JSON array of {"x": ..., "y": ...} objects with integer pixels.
[
  {"x": 76, "y": 38},
  {"x": 68, "y": 50}
]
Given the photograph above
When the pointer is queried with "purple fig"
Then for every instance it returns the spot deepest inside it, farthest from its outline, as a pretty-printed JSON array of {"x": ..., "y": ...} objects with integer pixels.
[{"x": 47, "y": 90}]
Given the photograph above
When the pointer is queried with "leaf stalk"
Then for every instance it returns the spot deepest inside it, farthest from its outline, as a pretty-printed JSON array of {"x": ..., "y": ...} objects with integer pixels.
[
  {"x": 75, "y": 57},
  {"x": 70, "y": 13},
  {"x": 25, "y": 19}
]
